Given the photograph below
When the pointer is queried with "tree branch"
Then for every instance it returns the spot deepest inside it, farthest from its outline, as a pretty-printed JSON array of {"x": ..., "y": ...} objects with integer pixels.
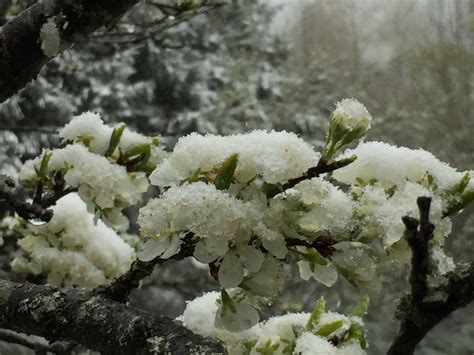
[
  {"x": 417, "y": 316},
  {"x": 9, "y": 200},
  {"x": 77, "y": 316},
  {"x": 121, "y": 288},
  {"x": 319, "y": 169},
  {"x": 21, "y": 57}
]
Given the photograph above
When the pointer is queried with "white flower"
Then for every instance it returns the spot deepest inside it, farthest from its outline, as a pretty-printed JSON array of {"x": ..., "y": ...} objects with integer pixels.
[
  {"x": 89, "y": 129},
  {"x": 391, "y": 165},
  {"x": 210, "y": 214},
  {"x": 275, "y": 156},
  {"x": 71, "y": 249}
]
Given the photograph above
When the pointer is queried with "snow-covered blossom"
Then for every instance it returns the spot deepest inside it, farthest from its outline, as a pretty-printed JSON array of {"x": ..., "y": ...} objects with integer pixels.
[
  {"x": 226, "y": 230},
  {"x": 391, "y": 165},
  {"x": 328, "y": 208},
  {"x": 101, "y": 183},
  {"x": 71, "y": 249},
  {"x": 89, "y": 129},
  {"x": 297, "y": 333},
  {"x": 351, "y": 114},
  {"x": 349, "y": 122},
  {"x": 274, "y": 156},
  {"x": 213, "y": 216},
  {"x": 380, "y": 215}
]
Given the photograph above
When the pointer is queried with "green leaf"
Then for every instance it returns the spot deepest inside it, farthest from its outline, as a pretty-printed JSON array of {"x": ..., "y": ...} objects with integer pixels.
[
  {"x": 268, "y": 348},
  {"x": 142, "y": 150},
  {"x": 457, "y": 204},
  {"x": 43, "y": 169},
  {"x": 225, "y": 174},
  {"x": 457, "y": 196},
  {"x": 248, "y": 345},
  {"x": 356, "y": 332},
  {"x": 329, "y": 328},
  {"x": 316, "y": 314},
  {"x": 115, "y": 139},
  {"x": 361, "y": 308},
  {"x": 290, "y": 346}
]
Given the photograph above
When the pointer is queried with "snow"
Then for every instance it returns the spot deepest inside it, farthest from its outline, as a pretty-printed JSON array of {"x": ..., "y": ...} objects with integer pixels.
[
  {"x": 50, "y": 38},
  {"x": 393, "y": 165},
  {"x": 350, "y": 114},
  {"x": 73, "y": 250},
  {"x": 278, "y": 331},
  {"x": 275, "y": 156}
]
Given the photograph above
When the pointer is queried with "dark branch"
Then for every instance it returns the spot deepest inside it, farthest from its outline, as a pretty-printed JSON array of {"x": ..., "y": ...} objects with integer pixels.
[
  {"x": 418, "y": 316},
  {"x": 21, "y": 57},
  {"x": 319, "y": 169},
  {"x": 418, "y": 235},
  {"x": 109, "y": 327},
  {"x": 10, "y": 201},
  {"x": 122, "y": 287}
]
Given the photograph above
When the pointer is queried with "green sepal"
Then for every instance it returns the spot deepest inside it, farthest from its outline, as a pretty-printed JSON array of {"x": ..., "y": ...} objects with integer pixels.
[
  {"x": 43, "y": 169},
  {"x": 248, "y": 345},
  {"x": 225, "y": 174},
  {"x": 361, "y": 308},
  {"x": 194, "y": 177},
  {"x": 316, "y": 314},
  {"x": 329, "y": 328},
  {"x": 356, "y": 332},
  {"x": 227, "y": 302},
  {"x": 115, "y": 139},
  {"x": 290, "y": 346},
  {"x": 268, "y": 348}
]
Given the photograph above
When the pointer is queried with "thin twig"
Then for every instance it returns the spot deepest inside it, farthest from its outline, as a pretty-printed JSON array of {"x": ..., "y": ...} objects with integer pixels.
[
  {"x": 319, "y": 169},
  {"x": 10, "y": 201}
]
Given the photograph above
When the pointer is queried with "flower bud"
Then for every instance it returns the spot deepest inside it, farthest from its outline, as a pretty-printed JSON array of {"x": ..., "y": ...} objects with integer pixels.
[{"x": 350, "y": 121}]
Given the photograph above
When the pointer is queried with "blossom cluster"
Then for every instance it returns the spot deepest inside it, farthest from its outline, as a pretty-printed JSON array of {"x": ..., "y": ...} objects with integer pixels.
[
  {"x": 216, "y": 195},
  {"x": 71, "y": 249},
  {"x": 319, "y": 332},
  {"x": 106, "y": 166},
  {"x": 101, "y": 170},
  {"x": 244, "y": 203}
]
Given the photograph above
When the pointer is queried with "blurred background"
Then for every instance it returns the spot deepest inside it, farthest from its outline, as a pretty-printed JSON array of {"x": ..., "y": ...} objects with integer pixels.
[{"x": 279, "y": 65}]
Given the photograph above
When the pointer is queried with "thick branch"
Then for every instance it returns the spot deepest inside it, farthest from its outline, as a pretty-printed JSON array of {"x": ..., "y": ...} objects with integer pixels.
[
  {"x": 416, "y": 315},
  {"x": 21, "y": 57},
  {"x": 100, "y": 324}
]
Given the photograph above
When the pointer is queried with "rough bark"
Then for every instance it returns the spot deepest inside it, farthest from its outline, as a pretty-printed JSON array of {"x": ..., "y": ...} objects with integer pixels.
[
  {"x": 416, "y": 315},
  {"x": 416, "y": 319},
  {"x": 21, "y": 56},
  {"x": 100, "y": 324}
]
